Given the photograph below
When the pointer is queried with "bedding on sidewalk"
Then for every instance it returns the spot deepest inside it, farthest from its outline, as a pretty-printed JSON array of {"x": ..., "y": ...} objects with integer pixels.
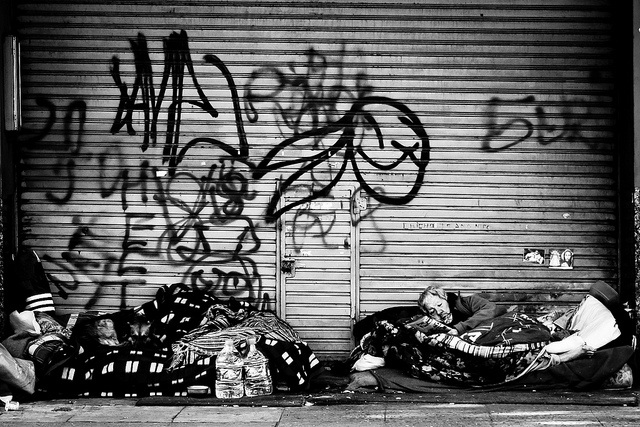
[
  {"x": 591, "y": 348},
  {"x": 158, "y": 349}
]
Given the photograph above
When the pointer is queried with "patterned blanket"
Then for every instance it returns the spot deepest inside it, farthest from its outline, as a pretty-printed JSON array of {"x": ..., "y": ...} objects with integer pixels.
[
  {"x": 185, "y": 329},
  {"x": 497, "y": 351},
  {"x": 126, "y": 372},
  {"x": 222, "y": 324},
  {"x": 291, "y": 359}
]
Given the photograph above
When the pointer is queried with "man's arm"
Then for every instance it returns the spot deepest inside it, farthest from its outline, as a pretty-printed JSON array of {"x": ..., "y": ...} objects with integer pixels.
[{"x": 479, "y": 310}]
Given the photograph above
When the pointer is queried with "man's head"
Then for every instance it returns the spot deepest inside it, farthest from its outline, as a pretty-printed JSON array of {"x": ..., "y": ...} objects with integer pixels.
[{"x": 433, "y": 301}]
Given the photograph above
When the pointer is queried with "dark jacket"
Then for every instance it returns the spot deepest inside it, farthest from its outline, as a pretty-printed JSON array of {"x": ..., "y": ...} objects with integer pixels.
[{"x": 468, "y": 312}]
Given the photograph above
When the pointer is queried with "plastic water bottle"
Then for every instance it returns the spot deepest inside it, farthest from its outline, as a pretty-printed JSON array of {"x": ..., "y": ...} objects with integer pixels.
[
  {"x": 257, "y": 376},
  {"x": 229, "y": 363}
]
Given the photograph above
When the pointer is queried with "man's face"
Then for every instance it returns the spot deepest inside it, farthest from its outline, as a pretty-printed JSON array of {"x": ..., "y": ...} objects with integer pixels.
[{"x": 437, "y": 308}]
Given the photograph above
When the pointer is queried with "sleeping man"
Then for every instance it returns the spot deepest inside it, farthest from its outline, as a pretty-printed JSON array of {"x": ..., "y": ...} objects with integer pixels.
[
  {"x": 462, "y": 313},
  {"x": 594, "y": 343}
]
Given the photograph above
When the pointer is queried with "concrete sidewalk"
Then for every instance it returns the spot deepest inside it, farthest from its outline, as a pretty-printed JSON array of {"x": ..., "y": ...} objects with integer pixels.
[{"x": 124, "y": 412}]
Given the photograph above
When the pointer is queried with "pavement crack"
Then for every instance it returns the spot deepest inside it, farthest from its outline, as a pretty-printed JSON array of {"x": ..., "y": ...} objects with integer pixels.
[
  {"x": 177, "y": 414},
  {"x": 277, "y": 424}
]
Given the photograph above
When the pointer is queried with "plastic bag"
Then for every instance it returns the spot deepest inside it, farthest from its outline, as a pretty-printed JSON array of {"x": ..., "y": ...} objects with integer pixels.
[
  {"x": 368, "y": 362},
  {"x": 19, "y": 374}
]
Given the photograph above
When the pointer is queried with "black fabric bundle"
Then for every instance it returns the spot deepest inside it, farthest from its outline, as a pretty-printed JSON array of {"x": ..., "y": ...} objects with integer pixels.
[
  {"x": 126, "y": 372},
  {"x": 122, "y": 369}
]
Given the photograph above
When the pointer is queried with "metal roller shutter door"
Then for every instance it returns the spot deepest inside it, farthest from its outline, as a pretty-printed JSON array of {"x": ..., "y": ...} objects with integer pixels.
[
  {"x": 518, "y": 101},
  {"x": 502, "y": 113}
]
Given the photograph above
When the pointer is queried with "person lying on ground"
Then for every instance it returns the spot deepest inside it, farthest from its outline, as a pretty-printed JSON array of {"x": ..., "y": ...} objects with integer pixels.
[{"x": 462, "y": 313}]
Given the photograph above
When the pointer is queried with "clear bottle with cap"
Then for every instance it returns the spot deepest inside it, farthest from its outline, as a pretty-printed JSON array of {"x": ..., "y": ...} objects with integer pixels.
[
  {"x": 257, "y": 376},
  {"x": 229, "y": 363}
]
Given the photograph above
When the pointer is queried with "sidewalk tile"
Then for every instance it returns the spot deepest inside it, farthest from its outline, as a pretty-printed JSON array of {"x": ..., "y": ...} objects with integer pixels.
[
  {"x": 125, "y": 414},
  {"x": 229, "y": 415}
]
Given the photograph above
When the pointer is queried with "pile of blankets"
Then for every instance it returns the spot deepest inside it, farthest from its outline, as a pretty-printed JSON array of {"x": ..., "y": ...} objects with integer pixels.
[
  {"x": 494, "y": 352},
  {"x": 511, "y": 350},
  {"x": 159, "y": 348}
]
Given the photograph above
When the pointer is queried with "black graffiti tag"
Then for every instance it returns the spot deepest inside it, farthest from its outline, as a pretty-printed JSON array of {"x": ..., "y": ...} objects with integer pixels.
[
  {"x": 505, "y": 129},
  {"x": 352, "y": 150}
]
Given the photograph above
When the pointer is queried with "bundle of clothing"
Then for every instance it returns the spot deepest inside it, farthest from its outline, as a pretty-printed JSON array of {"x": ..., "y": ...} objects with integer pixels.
[
  {"x": 158, "y": 348},
  {"x": 587, "y": 346}
]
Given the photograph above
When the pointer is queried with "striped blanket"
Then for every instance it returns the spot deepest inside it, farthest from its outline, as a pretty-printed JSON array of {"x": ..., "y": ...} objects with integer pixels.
[
  {"x": 497, "y": 351},
  {"x": 292, "y": 361},
  {"x": 209, "y": 339}
]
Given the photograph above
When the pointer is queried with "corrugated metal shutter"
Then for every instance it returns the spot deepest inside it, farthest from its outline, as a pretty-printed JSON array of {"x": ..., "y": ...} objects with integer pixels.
[
  {"x": 319, "y": 290},
  {"x": 517, "y": 100},
  {"x": 495, "y": 124}
]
